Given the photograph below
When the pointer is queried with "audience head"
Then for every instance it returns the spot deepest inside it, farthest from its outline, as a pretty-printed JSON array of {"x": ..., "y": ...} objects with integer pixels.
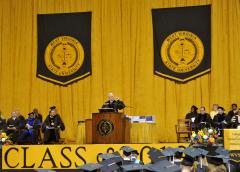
[
  {"x": 194, "y": 108},
  {"x": 31, "y": 115},
  {"x": 53, "y": 111},
  {"x": 14, "y": 114},
  {"x": 234, "y": 106},
  {"x": 215, "y": 107},
  {"x": 216, "y": 168},
  {"x": 35, "y": 111},
  {"x": 202, "y": 110},
  {"x": 220, "y": 110}
]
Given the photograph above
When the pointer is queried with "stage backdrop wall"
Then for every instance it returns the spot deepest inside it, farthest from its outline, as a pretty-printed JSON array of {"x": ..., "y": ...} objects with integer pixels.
[{"x": 122, "y": 62}]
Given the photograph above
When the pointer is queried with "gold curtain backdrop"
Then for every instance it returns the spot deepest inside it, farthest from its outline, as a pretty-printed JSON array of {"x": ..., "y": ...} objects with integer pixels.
[{"x": 122, "y": 63}]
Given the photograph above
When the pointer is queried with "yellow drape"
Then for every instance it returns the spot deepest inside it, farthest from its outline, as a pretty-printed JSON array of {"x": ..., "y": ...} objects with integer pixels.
[{"x": 122, "y": 62}]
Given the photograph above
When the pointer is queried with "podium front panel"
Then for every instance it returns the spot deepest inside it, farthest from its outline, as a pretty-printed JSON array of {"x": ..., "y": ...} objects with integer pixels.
[{"x": 109, "y": 127}]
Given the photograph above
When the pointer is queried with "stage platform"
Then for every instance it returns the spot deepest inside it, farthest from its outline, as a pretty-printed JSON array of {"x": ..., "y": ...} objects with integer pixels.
[{"x": 65, "y": 156}]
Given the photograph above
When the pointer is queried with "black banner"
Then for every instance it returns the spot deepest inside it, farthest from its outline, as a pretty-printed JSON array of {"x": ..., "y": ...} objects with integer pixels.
[
  {"x": 64, "y": 47},
  {"x": 182, "y": 41}
]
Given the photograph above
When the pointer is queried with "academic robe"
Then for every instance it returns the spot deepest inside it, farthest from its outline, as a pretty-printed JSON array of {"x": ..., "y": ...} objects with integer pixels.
[
  {"x": 192, "y": 116},
  {"x": 218, "y": 122},
  {"x": 203, "y": 121},
  {"x": 229, "y": 118},
  {"x": 51, "y": 127},
  {"x": 13, "y": 134},
  {"x": 115, "y": 104},
  {"x": 30, "y": 135},
  {"x": 39, "y": 116},
  {"x": 3, "y": 124}
]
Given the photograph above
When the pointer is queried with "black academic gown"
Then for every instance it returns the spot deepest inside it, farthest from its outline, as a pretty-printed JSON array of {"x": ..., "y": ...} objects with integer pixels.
[
  {"x": 39, "y": 117},
  {"x": 13, "y": 134},
  {"x": 218, "y": 122},
  {"x": 228, "y": 119},
  {"x": 203, "y": 121},
  {"x": 52, "y": 135},
  {"x": 115, "y": 104},
  {"x": 3, "y": 124},
  {"x": 191, "y": 115}
]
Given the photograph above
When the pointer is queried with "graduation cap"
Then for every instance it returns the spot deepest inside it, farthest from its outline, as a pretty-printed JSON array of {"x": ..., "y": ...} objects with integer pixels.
[
  {"x": 203, "y": 151},
  {"x": 220, "y": 150},
  {"x": 194, "y": 152},
  {"x": 128, "y": 149},
  {"x": 156, "y": 155},
  {"x": 171, "y": 151},
  {"x": 106, "y": 156},
  {"x": 132, "y": 167},
  {"x": 110, "y": 165},
  {"x": 52, "y": 108},
  {"x": 190, "y": 154},
  {"x": 116, "y": 153},
  {"x": 90, "y": 167},
  {"x": 163, "y": 166}
]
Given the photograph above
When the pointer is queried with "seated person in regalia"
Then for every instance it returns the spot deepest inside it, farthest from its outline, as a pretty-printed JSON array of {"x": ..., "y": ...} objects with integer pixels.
[
  {"x": 204, "y": 120},
  {"x": 51, "y": 127},
  {"x": 12, "y": 128},
  {"x": 192, "y": 116},
  {"x": 219, "y": 121},
  {"x": 29, "y": 135}
]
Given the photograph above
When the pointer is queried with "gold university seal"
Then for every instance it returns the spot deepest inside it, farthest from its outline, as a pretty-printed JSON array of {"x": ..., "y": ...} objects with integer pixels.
[
  {"x": 182, "y": 51},
  {"x": 64, "y": 55},
  {"x": 105, "y": 127}
]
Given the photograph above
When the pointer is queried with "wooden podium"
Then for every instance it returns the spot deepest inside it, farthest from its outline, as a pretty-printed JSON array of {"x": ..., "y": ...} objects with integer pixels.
[{"x": 108, "y": 127}]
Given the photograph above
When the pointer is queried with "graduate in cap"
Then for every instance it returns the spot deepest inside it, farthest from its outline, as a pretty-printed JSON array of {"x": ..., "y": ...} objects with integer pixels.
[
  {"x": 218, "y": 160},
  {"x": 163, "y": 166},
  {"x": 130, "y": 155},
  {"x": 110, "y": 161},
  {"x": 51, "y": 126},
  {"x": 156, "y": 155},
  {"x": 194, "y": 159}
]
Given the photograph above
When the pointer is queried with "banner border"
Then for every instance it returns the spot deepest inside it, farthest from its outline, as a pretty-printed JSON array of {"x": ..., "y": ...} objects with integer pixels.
[
  {"x": 63, "y": 83},
  {"x": 181, "y": 80}
]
